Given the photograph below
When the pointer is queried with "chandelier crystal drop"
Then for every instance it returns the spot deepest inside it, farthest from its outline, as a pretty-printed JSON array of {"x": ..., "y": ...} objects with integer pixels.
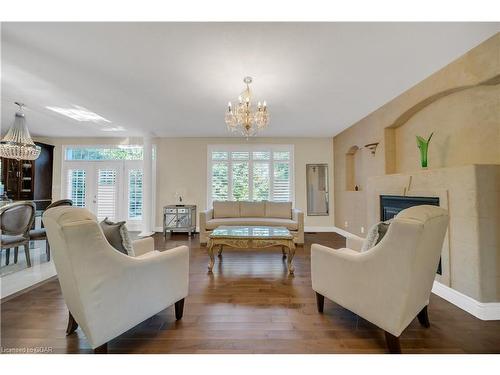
[
  {"x": 17, "y": 143},
  {"x": 246, "y": 118}
]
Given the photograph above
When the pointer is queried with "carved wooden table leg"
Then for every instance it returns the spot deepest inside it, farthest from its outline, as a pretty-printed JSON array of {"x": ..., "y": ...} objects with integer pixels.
[
  {"x": 210, "y": 249},
  {"x": 291, "y": 254}
]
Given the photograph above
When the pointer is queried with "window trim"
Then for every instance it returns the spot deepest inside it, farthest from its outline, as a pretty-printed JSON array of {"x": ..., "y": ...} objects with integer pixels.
[{"x": 250, "y": 148}]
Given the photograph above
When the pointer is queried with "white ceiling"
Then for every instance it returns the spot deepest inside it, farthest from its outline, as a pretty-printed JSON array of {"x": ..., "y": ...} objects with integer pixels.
[{"x": 175, "y": 79}]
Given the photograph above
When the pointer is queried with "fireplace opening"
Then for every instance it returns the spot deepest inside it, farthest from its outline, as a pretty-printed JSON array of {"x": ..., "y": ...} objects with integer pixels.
[{"x": 391, "y": 205}]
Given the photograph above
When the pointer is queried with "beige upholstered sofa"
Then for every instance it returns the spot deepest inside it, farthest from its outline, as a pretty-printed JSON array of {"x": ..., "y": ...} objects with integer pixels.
[{"x": 276, "y": 214}]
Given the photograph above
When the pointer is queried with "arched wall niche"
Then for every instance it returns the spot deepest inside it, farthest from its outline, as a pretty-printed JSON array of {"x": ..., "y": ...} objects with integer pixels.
[
  {"x": 488, "y": 89},
  {"x": 353, "y": 168}
]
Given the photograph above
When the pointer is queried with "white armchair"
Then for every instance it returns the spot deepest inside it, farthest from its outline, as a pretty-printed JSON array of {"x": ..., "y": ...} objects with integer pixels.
[
  {"x": 390, "y": 284},
  {"x": 108, "y": 292}
]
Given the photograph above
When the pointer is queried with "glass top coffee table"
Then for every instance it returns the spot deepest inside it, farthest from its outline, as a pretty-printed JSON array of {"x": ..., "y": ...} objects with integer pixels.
[{"x": 251, "y": 237}]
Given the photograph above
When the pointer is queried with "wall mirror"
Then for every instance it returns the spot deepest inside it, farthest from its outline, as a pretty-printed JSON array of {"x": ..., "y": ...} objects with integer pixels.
[{"x": 317, "y": 189}]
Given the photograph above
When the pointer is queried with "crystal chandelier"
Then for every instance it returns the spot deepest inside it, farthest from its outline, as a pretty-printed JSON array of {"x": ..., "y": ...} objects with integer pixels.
[
  {"x": 245, "y": 118},
  {"x": 17, "y": 143}
]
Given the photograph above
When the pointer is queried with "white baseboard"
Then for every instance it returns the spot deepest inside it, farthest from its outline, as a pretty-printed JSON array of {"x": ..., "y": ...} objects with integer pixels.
[
  {"x": 318, "y": 229},
  {"x": 481, "y": 310}
]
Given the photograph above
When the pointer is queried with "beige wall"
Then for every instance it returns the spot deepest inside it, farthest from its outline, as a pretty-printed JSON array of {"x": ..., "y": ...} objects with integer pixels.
[
  {"x": 466, "y": 126},
  {"x": 461, "y": 105},
  {"x": 182, "y": 164}
]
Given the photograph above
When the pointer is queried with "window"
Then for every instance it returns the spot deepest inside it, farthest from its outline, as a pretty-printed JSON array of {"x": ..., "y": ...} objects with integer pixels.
[
  {"x": 106, "y": 194},
  {"x": 135, "y": 194},
  {"x": 250, "y": 172},
  {"x": 77, "y": 186},
  {"x": 121, "y": 152}
]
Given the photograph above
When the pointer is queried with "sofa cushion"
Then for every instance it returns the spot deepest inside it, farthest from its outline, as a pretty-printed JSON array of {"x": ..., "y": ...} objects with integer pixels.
[
  {"x": 226, "y": 209},
  {"x": 282, "y": 210},
  {"x": 252, "y": 209},
  {"x": 266, "y": 221}
]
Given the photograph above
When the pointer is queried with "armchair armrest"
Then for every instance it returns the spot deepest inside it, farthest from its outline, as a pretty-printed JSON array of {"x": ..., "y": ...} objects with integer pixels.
[
  {"x": 207, "y": 214},
  {"x": 298, "y": 216},
  {"x": 204, "y": 217},
  {"x": 140, "y": 286},
  {"x": 164, "y": 274},
  {"x": 143, "y": 246},
  {"x": 339, "y": 274},
  {"x": 354, "y": 242}
]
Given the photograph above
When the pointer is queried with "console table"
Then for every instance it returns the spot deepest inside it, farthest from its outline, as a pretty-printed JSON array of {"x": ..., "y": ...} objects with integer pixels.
[{"x": 179, "y": 218}]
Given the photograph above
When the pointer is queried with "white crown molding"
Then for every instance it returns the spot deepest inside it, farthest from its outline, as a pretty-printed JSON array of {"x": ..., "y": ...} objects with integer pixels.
[{"x": 481, "y": 310}]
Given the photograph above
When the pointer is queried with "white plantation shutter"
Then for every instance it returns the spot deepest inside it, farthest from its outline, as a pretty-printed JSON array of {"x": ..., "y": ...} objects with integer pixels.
[
  {"x": 250, "y": 172},
  {"x": 106, "y": 194},
  {"x": 76, "y": 189},
  {"x": 240, "y": 179},
  {"x": 135, "y": 194},
  {"x": 220, "y": 181},
  {"x": 281, "y": 182},
  {"x": 261, "y": 182}
]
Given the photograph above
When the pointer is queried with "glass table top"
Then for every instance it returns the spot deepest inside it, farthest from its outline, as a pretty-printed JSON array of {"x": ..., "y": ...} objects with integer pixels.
[{"x": 250, "y": 232}]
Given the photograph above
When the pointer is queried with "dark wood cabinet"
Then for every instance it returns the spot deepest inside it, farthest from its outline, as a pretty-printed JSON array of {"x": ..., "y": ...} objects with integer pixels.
[{"x": 30, "y": 179}]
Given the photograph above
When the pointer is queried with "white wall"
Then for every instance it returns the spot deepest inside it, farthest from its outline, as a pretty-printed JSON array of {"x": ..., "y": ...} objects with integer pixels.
[{"x": 182, "y": 163}]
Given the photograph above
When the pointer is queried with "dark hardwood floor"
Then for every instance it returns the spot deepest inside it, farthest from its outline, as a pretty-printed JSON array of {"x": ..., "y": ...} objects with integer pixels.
[{"x": 248, "y": 305}]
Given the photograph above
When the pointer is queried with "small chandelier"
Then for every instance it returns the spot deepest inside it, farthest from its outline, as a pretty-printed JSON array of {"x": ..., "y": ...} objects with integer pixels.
[
  {"x": 245, "y": 118},
  {"x": 17, "y": 143}
]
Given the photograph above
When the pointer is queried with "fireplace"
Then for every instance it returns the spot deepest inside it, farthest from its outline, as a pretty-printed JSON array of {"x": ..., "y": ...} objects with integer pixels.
[{"x": 390, "y": 205}]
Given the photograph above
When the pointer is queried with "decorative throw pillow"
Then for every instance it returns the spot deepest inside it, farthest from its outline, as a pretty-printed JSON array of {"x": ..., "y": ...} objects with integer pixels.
[
  {"x": 117, "y": 236},
  {"x": 375, "y": 235}
]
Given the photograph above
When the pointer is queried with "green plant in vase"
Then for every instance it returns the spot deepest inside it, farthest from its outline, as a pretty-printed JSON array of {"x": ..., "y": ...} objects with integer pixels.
[{"x": 423, "y": 145}]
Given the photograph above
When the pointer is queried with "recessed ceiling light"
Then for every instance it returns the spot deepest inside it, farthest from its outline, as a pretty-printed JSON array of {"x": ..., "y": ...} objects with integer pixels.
[
  {"x": 79, "y": 114},
  {"x": 113, "y": 129}
]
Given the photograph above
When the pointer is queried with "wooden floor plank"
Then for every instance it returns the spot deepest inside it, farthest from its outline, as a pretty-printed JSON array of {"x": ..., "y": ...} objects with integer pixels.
[{"x": 248, "y": 305}]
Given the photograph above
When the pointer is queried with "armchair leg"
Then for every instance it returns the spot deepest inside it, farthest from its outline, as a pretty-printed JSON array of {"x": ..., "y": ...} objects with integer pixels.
[
  {"x": 423, "y": 317},
  {"x": 16, "y": 252},
  {"x": 392, "y": 343},
  {"x": 179, "y": 309},
  {"x": 27, "y": 253},
  {"x": 320, "y": 302},
  {"x": 103, "y": 349},
  {"x": 47, "y": 250},
  {"x": 72, "y": 325},
  {"x": 7, "y": 256}
]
